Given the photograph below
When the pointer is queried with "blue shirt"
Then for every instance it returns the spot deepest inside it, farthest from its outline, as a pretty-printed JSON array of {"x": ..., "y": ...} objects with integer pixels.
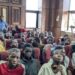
[{"x": 3, "y": 25}]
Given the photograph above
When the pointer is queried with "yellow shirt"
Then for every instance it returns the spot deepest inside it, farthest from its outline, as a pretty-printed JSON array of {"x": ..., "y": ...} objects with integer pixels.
[{"x": 2, "y": 48}]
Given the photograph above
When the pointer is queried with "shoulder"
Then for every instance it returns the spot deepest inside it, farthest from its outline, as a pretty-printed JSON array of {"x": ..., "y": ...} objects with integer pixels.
[
  {"x": 45, "y": 69},
  {"x": 3, "y": 65},
  {"x": 46, "y": 66},
  {"x": 22, "y": 65},
  {"x": 2, "y": 62}
]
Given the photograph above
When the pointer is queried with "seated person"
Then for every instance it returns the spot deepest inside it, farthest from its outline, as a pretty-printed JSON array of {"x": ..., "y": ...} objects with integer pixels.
[
  {"x": 12, "y": 66},
  {"x": 32, "y": 65},
  {"x": 14, "y": 43},
  {"x": 54, "y": 66}
]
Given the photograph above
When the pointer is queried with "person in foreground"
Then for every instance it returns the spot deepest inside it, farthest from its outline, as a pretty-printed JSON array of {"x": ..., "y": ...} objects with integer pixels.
[
  {"x": 12, "y": 66},
  {"x": 54, "y": 66},
  {"x": 32, "y": 65}
]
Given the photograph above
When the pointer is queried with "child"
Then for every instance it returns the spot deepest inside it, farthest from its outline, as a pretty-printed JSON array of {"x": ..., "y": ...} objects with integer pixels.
[{"x": 12, "y": 66}]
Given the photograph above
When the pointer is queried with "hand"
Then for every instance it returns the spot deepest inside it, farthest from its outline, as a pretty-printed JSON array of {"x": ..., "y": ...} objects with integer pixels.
[{"x": 60, "y": 68}]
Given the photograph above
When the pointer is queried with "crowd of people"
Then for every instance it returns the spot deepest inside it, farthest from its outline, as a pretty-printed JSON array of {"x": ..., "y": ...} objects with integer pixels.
[{"x": 25, "y": 52}]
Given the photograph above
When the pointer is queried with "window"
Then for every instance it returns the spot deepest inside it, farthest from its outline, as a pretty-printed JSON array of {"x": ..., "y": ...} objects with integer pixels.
[
  {"x": 16, "y": 19},
  {"x": 64, "y": 22},
  {"x": 33, "y": 8},
  {"x": 68, "y": 19},
  {"x": 72, "y": 5},
  {"x": 71, "y": 22},
  {"x": 4, "y": 13},
  {"x": 66, "y": 5},
  {"x": 33, "y": 4},
  {"x": 30, "y": 20}
]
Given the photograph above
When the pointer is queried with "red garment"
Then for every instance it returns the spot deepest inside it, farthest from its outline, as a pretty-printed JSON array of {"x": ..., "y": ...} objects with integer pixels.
[
  {"x": 4, "y": 70},
  {"x": 68, "y": 50},
  {"x": 37, "y": 53},
  {"x": 7, "y": 44},
  {"x": 46, "y": 55},
  {"x": 23, "y": 30}
]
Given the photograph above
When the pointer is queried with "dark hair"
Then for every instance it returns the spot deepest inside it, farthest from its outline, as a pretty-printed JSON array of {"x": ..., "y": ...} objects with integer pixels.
[
  {"x": 35, "y": 44},
  {"x": 27, "y": 45},
  {"x": 59, "y": 47}
]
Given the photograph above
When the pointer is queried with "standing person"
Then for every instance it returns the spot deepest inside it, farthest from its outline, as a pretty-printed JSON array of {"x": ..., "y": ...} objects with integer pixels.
[
  {"x": 3, "y": 24},
  {"x": 54, "y": 66},
  {"x": 12, "y": 66},
  {"x": 32, "y": 65}
]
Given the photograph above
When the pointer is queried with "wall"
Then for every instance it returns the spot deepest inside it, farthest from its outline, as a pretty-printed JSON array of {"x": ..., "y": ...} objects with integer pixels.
[{"x": 15, "y": 11}]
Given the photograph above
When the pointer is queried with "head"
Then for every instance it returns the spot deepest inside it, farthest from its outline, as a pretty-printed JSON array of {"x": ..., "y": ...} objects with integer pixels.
[
  {"x": 8, "y": 35},
  {"x": 57, "y": 55},
  {"x": 13, "y": 57},
  {"x": 27, "y": 51},
  {"x": 35, "y": 44},
  {"x": 66, "y": 36},
  {"x": 14, "y": 43}
]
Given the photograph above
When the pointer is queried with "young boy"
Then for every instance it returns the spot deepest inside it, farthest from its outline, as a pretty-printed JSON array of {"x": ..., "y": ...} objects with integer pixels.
[
  {"x": 12, "y": 66},
  {"x": 54, "y": 66},
  {"x": 32, "y": 65}
]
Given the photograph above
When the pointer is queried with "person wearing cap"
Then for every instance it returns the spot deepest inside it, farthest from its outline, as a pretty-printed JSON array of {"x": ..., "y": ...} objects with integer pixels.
[
  {"x": 54, "y": 66},
  {"x": 3, "y": 24},
  {"x": 32, "y": 65},
  {"x": 12, "y": 66}
]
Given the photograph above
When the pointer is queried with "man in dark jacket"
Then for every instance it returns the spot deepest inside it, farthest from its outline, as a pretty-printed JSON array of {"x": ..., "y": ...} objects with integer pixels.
[{"x": 32, "y": 65}]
